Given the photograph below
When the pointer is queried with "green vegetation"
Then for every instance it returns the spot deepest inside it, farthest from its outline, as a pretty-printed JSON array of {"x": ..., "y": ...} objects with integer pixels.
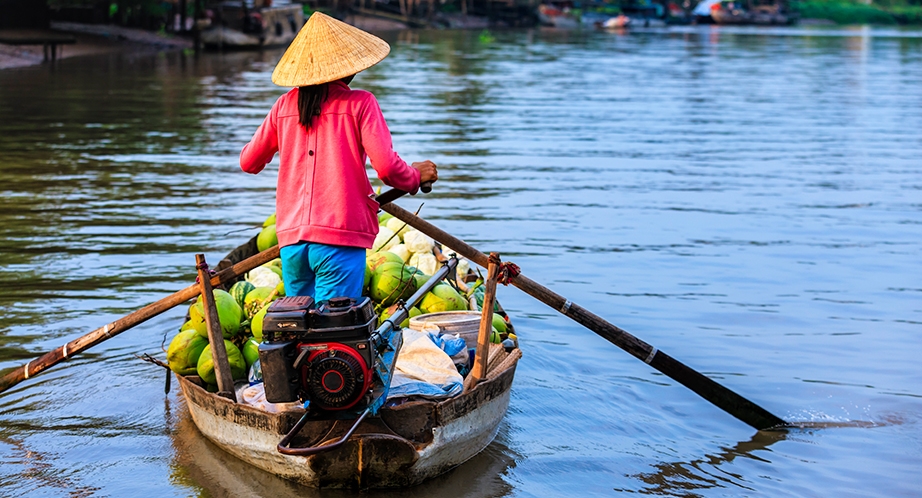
[
  {"x": 856, "y": 12},
  {"x": 147, "y": 14}
]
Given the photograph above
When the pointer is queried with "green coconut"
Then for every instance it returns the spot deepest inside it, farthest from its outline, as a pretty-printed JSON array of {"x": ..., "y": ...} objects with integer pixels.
[
  {"x": 229, "y": 313},
  {"x": 270, "y": 220},
  {"x": 205, "y": 366},
  {"x": 196, "y": 317},
  {"x": 391, "y": 282},
  {"x": 257, "y": 298},
  {"x": 267, "y": 238},
  {"x": 498, "y": 323},
  {"x": 184, "y": 352},
  {"x": 421, "y": 278},
  {"x": 442, "y": 297},
  {"x": 379, "y": 258},
  {"x": 250, "y": 352},
  {"x": 240, "y": 291},
  {"x": 256, "y": 324},
  {"x": 383, "y": 217},
  {"x": 366, "y": 280},
  {"x": 414, "y": 311}
]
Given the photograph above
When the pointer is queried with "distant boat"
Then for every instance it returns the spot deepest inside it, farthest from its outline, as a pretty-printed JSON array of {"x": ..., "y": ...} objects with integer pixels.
[
  {"x": 618, "y": 22},
  {"x": 253, "y": 24},
  {"x": 702, "y": 11},
  {"x": 558, "y": 15}
]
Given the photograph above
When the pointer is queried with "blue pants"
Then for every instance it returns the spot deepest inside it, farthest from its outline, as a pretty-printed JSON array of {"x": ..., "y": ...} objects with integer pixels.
[{"x": 323, "y": 271}]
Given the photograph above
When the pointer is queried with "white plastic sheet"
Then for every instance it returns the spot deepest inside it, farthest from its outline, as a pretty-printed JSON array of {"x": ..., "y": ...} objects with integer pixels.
[{"x": 423, "y": 369}]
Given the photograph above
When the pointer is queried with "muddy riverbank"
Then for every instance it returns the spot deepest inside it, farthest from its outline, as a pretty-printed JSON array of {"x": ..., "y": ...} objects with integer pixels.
[{"x": 92, "y": 39}]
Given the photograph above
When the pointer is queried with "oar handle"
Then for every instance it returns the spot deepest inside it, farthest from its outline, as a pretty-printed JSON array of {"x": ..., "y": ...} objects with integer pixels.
[
  {"x": 707, "y": 388},
  {"x": 395, "y": 193}
]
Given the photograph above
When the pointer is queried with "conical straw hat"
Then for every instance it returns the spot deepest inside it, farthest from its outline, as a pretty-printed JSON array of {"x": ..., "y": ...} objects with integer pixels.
[{"x": 327, "y": 50}]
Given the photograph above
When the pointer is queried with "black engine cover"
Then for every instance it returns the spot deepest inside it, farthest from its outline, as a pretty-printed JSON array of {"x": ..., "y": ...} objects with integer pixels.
[{"x": 324, "y": 354}]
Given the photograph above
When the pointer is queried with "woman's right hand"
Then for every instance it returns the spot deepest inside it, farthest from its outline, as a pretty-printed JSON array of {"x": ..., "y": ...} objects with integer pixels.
[{"x": 428, "y": 171}]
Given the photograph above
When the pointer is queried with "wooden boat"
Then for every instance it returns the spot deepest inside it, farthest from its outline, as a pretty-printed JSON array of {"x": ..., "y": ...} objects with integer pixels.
[
  {"x": 404, "y": 445},
  {"x": 557, "y": 15},
  {"x": 237, "y": 26}
]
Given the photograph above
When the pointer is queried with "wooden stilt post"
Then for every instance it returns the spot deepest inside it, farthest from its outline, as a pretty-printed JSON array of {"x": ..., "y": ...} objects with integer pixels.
[
  {"x": 479, "y": 371},
  {"x": 215, "y": 336}
]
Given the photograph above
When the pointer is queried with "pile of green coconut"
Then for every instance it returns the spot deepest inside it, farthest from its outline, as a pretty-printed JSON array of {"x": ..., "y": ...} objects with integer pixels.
[{"x": 400, "y": 261}]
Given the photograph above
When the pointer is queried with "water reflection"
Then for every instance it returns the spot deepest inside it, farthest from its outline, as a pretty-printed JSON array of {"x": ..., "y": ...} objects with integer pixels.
[
  {"x": 35, "y": 468},
  {"x": 696, "y": 476}
]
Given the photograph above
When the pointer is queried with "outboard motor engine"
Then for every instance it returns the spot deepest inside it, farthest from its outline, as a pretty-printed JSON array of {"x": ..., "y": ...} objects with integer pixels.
[
  {"x": 324, "y": 354},
  {"x": 332, "y": 357}
]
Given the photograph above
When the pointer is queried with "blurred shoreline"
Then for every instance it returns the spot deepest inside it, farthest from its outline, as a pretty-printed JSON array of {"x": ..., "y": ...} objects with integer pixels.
[
  {"x": 98, "y": 39},
  {"x": 92, "y": 39}
]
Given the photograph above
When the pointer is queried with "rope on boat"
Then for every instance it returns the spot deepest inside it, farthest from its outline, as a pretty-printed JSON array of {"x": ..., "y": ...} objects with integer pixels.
[
  {"x": 204, "y": 266},
  {"x": 507, "y": 270}
]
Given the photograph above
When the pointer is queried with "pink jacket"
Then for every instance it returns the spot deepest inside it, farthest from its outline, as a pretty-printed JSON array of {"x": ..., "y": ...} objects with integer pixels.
[{"x": 323, "y": 190}]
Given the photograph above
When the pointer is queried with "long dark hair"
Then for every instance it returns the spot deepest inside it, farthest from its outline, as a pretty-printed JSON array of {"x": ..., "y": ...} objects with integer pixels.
[{"x": 310, "y": 98}]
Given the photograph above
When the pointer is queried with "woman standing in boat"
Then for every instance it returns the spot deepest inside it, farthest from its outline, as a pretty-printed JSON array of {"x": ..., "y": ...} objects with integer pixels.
[{"x": 326, "y": 215}]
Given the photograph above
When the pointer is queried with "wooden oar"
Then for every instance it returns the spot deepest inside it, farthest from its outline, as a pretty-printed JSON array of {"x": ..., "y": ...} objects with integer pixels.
[
  {"x": 55, "y": 356},
  {"x": 723, "y": 398}
]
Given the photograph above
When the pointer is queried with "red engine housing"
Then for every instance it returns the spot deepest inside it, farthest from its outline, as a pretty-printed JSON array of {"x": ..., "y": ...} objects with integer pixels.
[{"x": 335, "y": 376}]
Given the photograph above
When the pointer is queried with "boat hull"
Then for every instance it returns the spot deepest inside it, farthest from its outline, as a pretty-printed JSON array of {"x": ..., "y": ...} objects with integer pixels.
[
  {"x": 555, "y": 17},
  {"x": 403, "y": 446},
  {"x": 278, "y": 26}
]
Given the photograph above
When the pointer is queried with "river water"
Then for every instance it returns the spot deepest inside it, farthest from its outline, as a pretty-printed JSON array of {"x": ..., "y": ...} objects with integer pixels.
[{"x": 748, "y": 201}]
